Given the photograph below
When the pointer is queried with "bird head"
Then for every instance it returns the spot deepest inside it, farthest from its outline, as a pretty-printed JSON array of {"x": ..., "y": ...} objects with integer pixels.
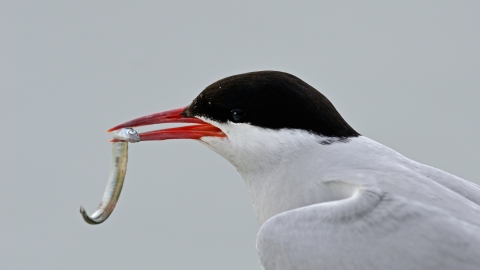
[{"x": 251, "y": 117}]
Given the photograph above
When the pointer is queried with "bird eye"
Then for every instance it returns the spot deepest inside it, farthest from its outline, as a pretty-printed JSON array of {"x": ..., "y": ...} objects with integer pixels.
[
  {"x": 131, "y": 131},
  {"x": 238, "y": 115}
]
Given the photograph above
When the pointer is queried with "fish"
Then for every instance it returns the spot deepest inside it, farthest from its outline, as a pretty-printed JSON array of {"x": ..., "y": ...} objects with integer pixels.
[
  {"x": 126, "y": 134},
  {"x": 117, "y": 176}
]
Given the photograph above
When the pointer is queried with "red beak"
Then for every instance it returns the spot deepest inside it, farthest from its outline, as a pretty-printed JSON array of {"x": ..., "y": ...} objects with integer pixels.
[{"x": 196, "y": 132}]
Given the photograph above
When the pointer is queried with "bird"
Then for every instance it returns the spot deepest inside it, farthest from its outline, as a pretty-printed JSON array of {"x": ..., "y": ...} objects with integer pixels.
[{"x": 327, "y": 197}]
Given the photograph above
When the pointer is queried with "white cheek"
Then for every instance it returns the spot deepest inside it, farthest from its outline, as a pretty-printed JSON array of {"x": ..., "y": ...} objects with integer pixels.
[
  {"x": 254, "y": 149},
  {"x": 236, "y": 146},
  {"x": 215, "y": 143}
]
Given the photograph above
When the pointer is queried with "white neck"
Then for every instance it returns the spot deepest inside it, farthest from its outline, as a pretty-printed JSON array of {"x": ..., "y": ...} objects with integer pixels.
[{"x": 272, "y": 164}]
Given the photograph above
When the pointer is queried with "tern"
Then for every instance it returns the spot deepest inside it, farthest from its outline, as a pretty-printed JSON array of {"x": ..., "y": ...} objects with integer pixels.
[{"x": 325, "y": 196}]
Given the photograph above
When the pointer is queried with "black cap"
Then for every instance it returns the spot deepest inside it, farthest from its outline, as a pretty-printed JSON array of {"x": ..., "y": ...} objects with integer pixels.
[{"x": 270, "y": 99}]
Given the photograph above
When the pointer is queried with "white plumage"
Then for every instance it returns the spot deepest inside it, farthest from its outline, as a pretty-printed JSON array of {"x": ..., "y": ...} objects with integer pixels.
[
  {"x": 354, "y": 204},
  {"x": 325, "y": 196}
]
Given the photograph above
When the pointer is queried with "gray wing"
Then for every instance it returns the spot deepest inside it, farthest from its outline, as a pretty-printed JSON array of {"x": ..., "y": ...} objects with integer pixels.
[
  {"x": 458, "y": 185},
  {"x": 370, "y": 230}
]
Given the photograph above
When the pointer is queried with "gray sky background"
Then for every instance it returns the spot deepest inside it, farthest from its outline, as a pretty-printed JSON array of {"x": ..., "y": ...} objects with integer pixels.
[{"x": 406, "y": 74}]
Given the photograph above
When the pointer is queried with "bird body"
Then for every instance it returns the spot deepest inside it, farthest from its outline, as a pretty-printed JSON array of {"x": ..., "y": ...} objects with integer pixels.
[
  {"x": 351, "y": 203},
  {"x": 325, "y": 196},
  {"x": 329, "y": 172}
]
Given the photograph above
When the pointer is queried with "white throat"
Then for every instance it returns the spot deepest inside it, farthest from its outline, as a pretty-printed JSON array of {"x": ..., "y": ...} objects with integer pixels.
[{"x": 282, "y": 169}]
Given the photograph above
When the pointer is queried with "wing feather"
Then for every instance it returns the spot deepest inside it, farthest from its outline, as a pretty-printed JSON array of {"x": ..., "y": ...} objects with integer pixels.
[{"x": 370, "y": 230}]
